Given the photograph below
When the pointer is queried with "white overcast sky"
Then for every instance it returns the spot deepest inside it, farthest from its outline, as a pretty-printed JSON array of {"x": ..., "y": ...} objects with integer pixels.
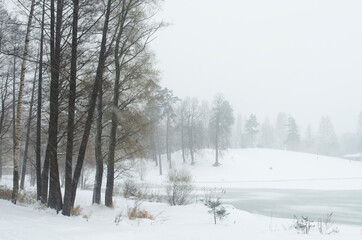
[{"x": 302, "y": 57}]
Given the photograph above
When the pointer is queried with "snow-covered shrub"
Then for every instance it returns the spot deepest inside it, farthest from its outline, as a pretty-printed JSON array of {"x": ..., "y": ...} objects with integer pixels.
[
  {"x": 179, "y": 187},
  {"x": 303, "y": 225},
  {"x": 130, "y": 189},
  {"x": 136, "y": 212},
  {"x": 27, "y": 197},
  {"x": 76, "y": 211},
  {"x": 24, "y": 197},
  {"x": 212, "y": 200},
  {"x": 326, "y": 225},
  {"x": 5, "y": 193}
]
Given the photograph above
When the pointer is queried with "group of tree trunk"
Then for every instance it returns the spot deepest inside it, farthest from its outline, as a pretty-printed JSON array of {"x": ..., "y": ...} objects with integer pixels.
[{"x": 64, "y": 42}]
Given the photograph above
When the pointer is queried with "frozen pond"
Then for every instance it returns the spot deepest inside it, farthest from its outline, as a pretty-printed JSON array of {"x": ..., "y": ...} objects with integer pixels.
[{"x": 346, "y": 205}]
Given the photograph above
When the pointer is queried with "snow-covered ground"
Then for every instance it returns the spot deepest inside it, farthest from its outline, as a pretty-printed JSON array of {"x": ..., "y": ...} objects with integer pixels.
[
  {"x": 267, "y": 168},
  {"x": 247, "y": 168}
]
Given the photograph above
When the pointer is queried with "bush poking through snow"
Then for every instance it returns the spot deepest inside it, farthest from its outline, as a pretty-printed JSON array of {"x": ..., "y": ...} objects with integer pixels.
[
  {"x": 27, "y": 197},
  {"x": 135, "y": 212},
  {"x": 118, "y": 218},
  {"x": 24, "y": 197},
  {"x": 326, "y": 225},
  {"x": 179, "y": 187},
  {"x": 130, "y": 189},
  {"x": 303, "y": 225},
  {"x": 212, "y": 200},
  {"x": 5, "y": 193},
  {"x": 77, "y": 211}
]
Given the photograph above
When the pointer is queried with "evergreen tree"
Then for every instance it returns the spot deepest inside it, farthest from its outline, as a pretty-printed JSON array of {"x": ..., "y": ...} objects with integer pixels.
[
  {"x": 267, "y": 134},
  {"x": 327, "y": 138},
  {"x": 293, "y": 137},
  {"x": 221, "y": 121},
  {"x": 309, "y": 140},
  {"x": 280, "y": 130},
  {"x": 251, "y": 129}
]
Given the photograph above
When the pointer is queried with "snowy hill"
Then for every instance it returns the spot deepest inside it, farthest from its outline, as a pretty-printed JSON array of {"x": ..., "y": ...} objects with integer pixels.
[{"x": 267, "y": 168}]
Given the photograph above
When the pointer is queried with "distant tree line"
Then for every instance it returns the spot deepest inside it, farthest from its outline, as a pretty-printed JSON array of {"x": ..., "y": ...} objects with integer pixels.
[{"x": 286, "y": 134}]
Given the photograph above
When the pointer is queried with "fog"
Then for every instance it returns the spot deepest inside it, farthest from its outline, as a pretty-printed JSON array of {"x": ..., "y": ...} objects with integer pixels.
[{"x": 299, "y": 57}]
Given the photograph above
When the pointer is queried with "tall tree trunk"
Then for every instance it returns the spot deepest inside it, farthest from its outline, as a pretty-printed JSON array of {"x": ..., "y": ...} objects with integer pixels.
[
  {"x": 54, "y": 198},
  {"x": 45, "y": 177},
  {"x": 217, "y": 141},
  {"x": 30, "y": 117},
  {"x": 114, "y": 124},
  {"x": 38, "y": 118},
  {"x": 14, "y": 103},
  {"x": 98, "y": 150},
  {"x": 182, "y": 137},
  {"x": 191, "y": 141},
  {"x": 153, "y": 146},
  {"x": 1, "y": 157},
  {"x": 32, "y": 175},
  {"x": 19, "y": 107},
  {"x": 71, "y": 109},
  {"x": 168, "y": 153},
  {"x": 2, "y": 117},
  {"x": 154, "y": 136},
  {"x": 92, "y": 103},
  {"x": 159, "y": 150}
]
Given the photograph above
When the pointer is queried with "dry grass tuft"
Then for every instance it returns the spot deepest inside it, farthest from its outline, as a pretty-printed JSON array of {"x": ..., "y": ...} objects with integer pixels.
[
  {"x": 24, "y": 197},
  {"x": 134, "y": 213},
  {"x": 5, "y": 193},
  {"x": 77, "y": 211}
]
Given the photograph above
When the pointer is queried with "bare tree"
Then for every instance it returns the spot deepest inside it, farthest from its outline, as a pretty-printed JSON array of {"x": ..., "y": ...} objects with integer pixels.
[
  {"x": 92, "y": 103},
  {"x": 71, "y": 110},
  {"x": 39, "y": 107},
  {"x": 19, "y": 107},
  {"x": 27, "y": 137}
]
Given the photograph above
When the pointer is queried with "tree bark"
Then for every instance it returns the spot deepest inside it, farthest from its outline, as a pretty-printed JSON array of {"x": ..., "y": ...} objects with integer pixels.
[{"x": 19, "y": 107}]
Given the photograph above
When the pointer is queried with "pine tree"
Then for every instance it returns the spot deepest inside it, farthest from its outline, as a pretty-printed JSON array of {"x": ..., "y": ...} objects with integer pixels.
[
  {"x": 251, "y": 129},
  {"x": 221, "y": 121},
  {"x": 267, "y": 135},
  {"x": 327, "y": 138},
  {"x": 293, "y": 137}
]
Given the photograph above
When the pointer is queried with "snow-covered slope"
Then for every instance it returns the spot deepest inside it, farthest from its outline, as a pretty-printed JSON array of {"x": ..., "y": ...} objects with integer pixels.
[
  {"x": 266, "y": 168},
  {"x": 239, "y": 168}
]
